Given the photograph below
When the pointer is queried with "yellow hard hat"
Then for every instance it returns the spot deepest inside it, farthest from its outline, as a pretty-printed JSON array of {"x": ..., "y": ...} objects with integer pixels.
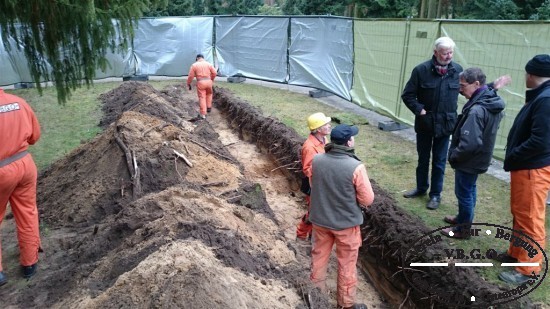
[{"x": 317, "y": 120}]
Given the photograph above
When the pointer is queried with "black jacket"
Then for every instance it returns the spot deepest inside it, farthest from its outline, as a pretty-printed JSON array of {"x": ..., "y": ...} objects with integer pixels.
[
  {"x": 475, "y": 134},
  {"x": 528, "y": 145},
  {"x": 436, "y": 94}
]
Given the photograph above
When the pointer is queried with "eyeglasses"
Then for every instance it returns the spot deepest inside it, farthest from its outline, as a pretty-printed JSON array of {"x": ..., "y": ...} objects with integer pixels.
[
  {"x": 465, "y": 85},
  {"x": 445, "y": 53}
]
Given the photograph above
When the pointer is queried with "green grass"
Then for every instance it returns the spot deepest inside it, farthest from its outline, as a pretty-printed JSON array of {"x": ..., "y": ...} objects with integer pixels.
[{"x": 390, "y": 160}]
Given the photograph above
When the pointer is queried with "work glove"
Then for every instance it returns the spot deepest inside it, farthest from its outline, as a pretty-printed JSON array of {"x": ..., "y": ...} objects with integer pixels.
[{"x": 189, "y": 87}]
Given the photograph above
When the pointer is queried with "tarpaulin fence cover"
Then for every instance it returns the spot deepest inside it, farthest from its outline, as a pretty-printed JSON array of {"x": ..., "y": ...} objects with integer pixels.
[{"x": 250, "y": 46}]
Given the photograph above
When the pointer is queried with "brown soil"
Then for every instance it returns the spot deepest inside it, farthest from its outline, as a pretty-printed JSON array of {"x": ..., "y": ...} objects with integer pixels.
[{"x": 127, "y": 223}]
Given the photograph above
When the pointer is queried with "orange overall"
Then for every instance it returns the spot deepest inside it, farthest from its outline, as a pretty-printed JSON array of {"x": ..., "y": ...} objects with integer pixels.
[
  {"x": 528, "y": 205},
  {"x": 205, "y": 74},
  {"x": 19, "y": 128},
  {"x": 347, "y": 243},
  {"x": 311, "y": 147}
]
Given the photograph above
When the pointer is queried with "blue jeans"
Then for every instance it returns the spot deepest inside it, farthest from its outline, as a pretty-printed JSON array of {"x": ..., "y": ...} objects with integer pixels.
[
  {"x": 438, "y": 147},
  {"x": 466, "y": 193}
]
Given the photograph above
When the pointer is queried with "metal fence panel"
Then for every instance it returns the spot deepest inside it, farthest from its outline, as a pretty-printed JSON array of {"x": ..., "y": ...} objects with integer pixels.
[
  {"x": 321, "y": 54},
  {"x": 168, "y": 46},
  {"x": 500, "y": 48},
  {"x": 254, "y": 47}
]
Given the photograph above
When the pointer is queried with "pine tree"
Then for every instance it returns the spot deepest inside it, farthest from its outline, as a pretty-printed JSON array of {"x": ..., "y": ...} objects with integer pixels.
[
  {"x": 543, "y": 12},
  {"x": 292, "y": 7},
  {"x": 66, "y": 41},
  {"x": 252, "y": 7},
  {"x": 322, "y": 7},
  {"x": 198, "y": 7},
  {"x": 174, "y": 8},
  {"x": 213, "y": 7}
]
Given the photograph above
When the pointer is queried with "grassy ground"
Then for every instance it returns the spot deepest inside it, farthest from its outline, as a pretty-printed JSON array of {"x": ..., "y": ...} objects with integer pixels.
[{"x": 390, "y": 160}]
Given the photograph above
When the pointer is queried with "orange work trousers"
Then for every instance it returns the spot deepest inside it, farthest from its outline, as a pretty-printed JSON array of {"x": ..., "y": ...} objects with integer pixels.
[
  {"x": 304, "y": 227},
  {"x": 529, "y": 189},
  {"x": 18, "y": 186},
  {"x": 204, "y": 91},
  {"x": 347, "y": 243}
]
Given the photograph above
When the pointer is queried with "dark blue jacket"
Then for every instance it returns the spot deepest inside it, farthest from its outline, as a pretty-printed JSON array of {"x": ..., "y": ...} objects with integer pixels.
[
  {"x": 436, "y": 94},
  {"x": 475, "y": 134},
  {"x": 528, "y": 145}
]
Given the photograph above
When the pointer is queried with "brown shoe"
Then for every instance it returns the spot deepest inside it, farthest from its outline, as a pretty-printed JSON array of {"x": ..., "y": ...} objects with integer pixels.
[
  {"x": 450, "y": 219},
  {"x": 449, "y": 232}
]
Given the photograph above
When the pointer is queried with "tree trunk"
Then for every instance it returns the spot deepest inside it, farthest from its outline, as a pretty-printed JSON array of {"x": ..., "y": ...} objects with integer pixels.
[
  {"x": 349, "y": 12},
  {"x": 432, "y": 7},
  {"x": 423, "y": 9}
]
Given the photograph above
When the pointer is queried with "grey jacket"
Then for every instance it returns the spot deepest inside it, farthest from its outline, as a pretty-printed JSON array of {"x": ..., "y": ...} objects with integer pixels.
[
  {"x": 333, "y": 196},
  {"x": 475, "y": 134}
]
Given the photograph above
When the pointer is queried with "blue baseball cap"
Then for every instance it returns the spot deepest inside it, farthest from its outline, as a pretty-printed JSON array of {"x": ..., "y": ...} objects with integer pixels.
[{"x": 342, "y": 133}]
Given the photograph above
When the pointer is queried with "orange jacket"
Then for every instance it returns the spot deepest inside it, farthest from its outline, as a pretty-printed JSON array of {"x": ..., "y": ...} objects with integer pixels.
[
  {"x": 201, "y": 69},
  {"x": 311, "y": 147},
  {"x": 363, "y": 187},
  {"x": 19, "y": 127}
]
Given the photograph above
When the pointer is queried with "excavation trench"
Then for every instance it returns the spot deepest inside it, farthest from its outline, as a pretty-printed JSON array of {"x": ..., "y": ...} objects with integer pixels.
[
  {"x": 159, "y": 212},
  {"x": 388, "y": 231}
]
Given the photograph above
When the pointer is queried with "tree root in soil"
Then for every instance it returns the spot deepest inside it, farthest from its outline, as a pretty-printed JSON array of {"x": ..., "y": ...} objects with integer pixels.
[{"x": 133, "y": 169}]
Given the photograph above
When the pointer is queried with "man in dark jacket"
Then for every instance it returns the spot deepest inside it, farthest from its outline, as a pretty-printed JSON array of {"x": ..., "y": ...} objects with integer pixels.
[
  {"x": 528, "y": 160},
  {"x": 472, "y": 145},
  {"x": 431, "y": 94}
]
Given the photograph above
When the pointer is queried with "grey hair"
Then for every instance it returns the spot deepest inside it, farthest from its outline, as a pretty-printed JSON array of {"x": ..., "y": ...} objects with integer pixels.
[
  {"x": 444, "y": 42},
  {"x": 471, "y": 75}
]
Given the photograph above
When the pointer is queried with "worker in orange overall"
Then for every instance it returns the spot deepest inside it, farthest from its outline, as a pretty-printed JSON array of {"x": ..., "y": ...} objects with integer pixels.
[
  {"x": 320, "y": 127},
  {"x": 340, "y": 187},
  {"x": 205, "y": 74},
  {"x": 19, "y": 128},
  {"x": 528, "y": 160}
]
